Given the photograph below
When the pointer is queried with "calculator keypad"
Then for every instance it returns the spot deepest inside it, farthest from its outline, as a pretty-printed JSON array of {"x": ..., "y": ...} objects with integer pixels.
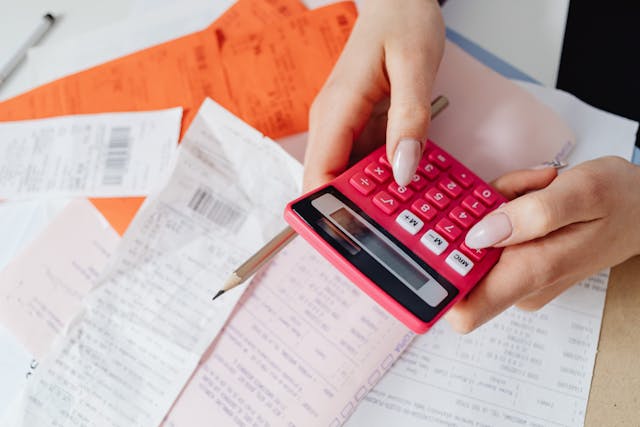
[{"x": 442, "y": 202}]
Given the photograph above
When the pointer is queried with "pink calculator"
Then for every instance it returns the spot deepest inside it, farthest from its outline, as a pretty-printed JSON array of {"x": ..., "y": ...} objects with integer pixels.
[{"x": 403, "y": 246}]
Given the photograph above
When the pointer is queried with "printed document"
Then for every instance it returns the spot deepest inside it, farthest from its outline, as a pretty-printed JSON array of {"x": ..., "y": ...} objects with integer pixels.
[
  {"x": 98, "y": 155},
  {"x": 303, "y": 349},
  {"x": 306, "y": 346},
  {"x": 42, "y": 289},
  {"x": 145, "y": 326}
]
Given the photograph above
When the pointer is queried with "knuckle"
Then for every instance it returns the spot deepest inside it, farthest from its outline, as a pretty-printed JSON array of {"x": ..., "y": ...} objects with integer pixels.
[
  {"x": 593, "y": 184},
  {"x": 545, "y": 270},
  {"x": 540, "y": 214},
  {"x": 411, "y": 112}
]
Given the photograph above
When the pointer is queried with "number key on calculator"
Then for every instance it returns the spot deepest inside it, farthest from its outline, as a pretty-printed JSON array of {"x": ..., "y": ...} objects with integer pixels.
[{"x": 403, "y": 246}]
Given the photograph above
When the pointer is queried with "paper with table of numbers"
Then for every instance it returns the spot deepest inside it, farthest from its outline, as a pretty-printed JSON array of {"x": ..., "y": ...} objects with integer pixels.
[
  {"x": 144, "y": 327},
  {"x": 92, "y": 155}
]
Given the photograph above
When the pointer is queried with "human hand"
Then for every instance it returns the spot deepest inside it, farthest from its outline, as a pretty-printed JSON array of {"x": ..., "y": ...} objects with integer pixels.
[
  {"x": 394, "y": 49},
  {"x": 582, "y": 222}
]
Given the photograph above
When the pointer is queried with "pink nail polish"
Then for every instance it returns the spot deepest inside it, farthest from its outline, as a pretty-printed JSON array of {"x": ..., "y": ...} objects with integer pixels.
[
  {"x": 405, "y": 160},
  {"x": 492, "y": 229}
]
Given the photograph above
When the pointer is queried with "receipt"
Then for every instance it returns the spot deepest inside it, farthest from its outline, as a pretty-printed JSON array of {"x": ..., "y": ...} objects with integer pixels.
[
  {"x": 42, "y": 289},
  {"x": 98, "y": 155},
  {"x": 185, "y": 70},
  {"x": 530, "y": 369},
  {"x": 303, "y": 349},
  {"x": 150, "y": 318},
  {"x": 294, "y": 58}
]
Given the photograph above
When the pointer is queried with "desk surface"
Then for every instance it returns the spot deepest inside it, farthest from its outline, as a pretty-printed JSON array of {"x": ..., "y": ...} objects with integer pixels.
[{"x": 528, "y": 34}]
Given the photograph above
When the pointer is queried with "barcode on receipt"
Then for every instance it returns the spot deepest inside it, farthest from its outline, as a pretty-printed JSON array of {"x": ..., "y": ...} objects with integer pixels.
[
  {"x": 117, "y": 156},
  {"x": 217, "y": 210}
]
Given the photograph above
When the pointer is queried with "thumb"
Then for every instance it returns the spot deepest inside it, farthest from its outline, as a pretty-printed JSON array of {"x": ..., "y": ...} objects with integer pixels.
[
  {"x": 535, "y": 214},
  {"x": 411, "y": 75}
]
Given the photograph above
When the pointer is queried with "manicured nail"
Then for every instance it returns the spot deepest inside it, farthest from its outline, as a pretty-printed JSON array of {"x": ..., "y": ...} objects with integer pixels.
[
  {"x": 405, "y": 160},
  {"x": 492, "y": 229}
]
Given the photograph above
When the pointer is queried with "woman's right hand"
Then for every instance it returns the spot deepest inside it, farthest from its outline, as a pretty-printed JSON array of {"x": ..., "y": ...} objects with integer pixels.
[{"x": 395, "y": 49}]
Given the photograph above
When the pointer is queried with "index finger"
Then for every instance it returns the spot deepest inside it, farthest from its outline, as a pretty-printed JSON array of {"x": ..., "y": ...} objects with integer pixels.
[{"x": 341, "y": 110}]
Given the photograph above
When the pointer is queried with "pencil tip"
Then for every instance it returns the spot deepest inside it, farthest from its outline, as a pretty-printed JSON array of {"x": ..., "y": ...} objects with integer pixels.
[
  {"x": 233, "y": 281},
  {"x": 220, "y": 292}
]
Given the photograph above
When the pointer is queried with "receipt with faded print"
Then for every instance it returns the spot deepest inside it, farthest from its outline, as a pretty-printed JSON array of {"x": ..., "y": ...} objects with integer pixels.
[
  {"x": 150, "y": 317},
  {"x": 89, "y": 155}
]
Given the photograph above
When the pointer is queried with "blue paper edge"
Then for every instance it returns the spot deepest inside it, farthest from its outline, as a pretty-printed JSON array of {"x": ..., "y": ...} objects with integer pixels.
[{"x": 487, "y": 58}]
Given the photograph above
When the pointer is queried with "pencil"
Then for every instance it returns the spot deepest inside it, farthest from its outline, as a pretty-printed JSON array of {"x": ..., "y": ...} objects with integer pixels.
[{"x": 260, "y": 258}]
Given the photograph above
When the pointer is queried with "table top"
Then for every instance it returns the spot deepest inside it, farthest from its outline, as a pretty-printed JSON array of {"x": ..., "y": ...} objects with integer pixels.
[{"x": 527, "y": 34}]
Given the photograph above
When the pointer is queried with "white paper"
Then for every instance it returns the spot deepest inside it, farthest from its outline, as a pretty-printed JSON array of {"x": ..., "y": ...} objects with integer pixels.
[
  {"x": 598, "y": 132},
  {"x": 22, "y": 221},
  {"x": 42, "y": 289},
  {"x": 15, "y": 363},
  {"x": 529, "y": 369},
  {"x": 146, "y": 325},
  {"x": 96, "y": 155},
  {"x": 303, "y": 348}
]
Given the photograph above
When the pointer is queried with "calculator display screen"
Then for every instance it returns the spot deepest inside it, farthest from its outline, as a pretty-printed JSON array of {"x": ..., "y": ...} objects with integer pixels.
[
  {"x": 379, "y": 249},
  {"x": 373, "y": 252}
]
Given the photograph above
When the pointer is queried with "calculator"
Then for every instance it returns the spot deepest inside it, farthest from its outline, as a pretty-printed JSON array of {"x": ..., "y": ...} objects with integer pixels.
[{"x": 403, "y": 246}]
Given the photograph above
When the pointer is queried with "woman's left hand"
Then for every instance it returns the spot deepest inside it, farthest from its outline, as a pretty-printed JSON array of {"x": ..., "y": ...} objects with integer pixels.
[{"x": 585, "y": 220}]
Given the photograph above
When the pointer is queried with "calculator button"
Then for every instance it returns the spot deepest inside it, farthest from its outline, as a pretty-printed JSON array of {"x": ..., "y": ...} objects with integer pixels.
[
  {"x": 418, "y": 182},
  {"x": 450, "y": 187},
  {"x": 362, "y": 183},
  {"x": 474, "y": 254},
  {"x": 448, "y": 229},
  {"x": 440, "y": 159},
  {"x": 424, "y": 210},
  {"x": 432, "y": 292},
  {"x": 486, "y": 195},
  {"x": 384, "y": 161},
  {"x": 378, "y": 172},
  {"x": 437, "y": 197},
  {"x": 429, "y": 170},
  {"x": 462, "y": 177},
  {"x": 475, "y": 207},
  {"x": 409, "y": 221},
  {"x": 459, "y": 262},
  {"x": 434, "y": 242},
  {"x": 461, "y": 217},
  {"x": 399, "y": 191},
  {"x": 385, "y": 202}
]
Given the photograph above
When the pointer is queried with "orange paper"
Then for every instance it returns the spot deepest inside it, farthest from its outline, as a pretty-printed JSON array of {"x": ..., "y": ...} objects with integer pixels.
[
  {"x": 298, "y": 49},
  {"x": 285, "y": 65}
]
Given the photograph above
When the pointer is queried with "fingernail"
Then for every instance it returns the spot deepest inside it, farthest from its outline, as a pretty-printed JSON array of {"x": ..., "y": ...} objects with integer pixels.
[
  {"x": 492, "y": 229},
  {"x": 405, "y": 160}
]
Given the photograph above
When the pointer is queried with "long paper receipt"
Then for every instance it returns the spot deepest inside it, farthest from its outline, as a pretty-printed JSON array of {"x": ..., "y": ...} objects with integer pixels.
[
  {"x": 144, "y": 328},
  {"x": 98, "y": 155}
]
